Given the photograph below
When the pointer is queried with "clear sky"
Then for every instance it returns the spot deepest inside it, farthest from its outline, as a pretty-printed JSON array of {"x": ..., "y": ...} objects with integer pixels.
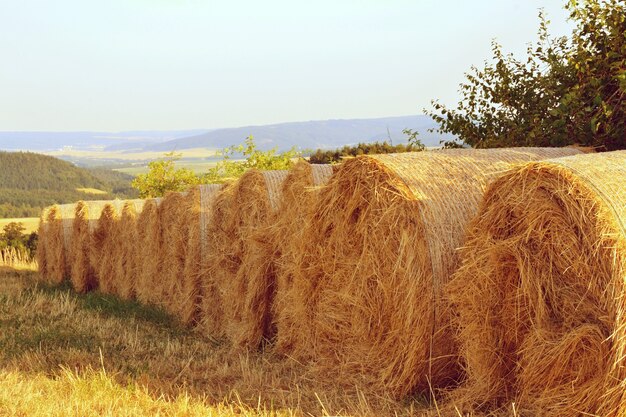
[{"x": 180, "y": 64}]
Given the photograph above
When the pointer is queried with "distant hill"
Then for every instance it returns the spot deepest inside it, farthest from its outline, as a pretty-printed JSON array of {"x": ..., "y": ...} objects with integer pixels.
[
  {"x": 52, "y": 141},
  {"x": 30, "y": 181},
  {"x": 323, "y": 134}
]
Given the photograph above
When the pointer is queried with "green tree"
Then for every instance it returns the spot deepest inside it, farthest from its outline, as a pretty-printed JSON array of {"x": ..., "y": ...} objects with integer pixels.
[
  {"x": 252, "y": 158},
  {"x": 163, "y": 176},
  {"x": 567, "y": 90}
]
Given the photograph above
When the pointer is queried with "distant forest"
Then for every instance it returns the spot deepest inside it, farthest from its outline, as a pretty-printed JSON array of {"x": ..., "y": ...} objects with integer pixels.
[{"x": 29, "y": 182}]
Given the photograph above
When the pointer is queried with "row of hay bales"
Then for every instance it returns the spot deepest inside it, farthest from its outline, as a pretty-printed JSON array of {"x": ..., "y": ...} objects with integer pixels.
[{"x": 500, "y": 273}]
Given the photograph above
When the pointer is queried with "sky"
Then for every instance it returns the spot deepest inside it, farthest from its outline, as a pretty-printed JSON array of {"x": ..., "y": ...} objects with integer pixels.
[{"x": 114, "y": 65}]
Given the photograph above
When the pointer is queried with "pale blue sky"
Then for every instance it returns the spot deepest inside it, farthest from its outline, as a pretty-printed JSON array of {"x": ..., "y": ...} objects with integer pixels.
[{"x": 179, "y": 64}]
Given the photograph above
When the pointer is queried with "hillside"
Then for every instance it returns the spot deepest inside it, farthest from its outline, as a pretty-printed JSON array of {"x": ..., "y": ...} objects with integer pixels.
[
  {"x": 325, "y": 134},
  {"x": 29, "y": 182}
]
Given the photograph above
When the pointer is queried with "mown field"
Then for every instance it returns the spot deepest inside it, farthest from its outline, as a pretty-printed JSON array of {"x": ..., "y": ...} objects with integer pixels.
[{"x": 85, "y": 355}]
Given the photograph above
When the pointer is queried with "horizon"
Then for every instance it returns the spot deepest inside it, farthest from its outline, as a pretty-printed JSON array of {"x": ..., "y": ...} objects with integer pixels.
[{"x": 175, "y": 65}]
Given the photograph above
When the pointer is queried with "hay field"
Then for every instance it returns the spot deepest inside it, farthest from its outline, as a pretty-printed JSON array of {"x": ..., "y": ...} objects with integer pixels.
[
  {"x": 105, "y": 356},
  {"x": 30, "y": 223}
]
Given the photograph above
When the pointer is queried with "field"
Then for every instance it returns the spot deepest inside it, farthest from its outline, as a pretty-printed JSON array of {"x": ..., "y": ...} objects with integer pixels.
[
  {"x": 30, "y": 223},
  {"x": 104, "y": 356},
  {"x": 199, "y": 166},
  {"x": 93, "y": 191}
]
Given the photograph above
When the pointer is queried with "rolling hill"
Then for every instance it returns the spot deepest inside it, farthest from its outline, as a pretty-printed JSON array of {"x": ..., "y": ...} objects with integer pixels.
[{"x": 30, "y": 181}]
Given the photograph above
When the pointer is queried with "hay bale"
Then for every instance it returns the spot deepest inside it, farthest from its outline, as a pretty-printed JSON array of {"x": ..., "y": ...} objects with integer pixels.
[
  {"x": 234, "y": 281},
  {"x": 541, "y": 292},
  {"x": 58, "y": 231},
  {"x": 174, "y": 219},
  {"x": 82, "y": 273},
  {"x": 125, "y": 248},
  {"x": 187, "y": 295},
  {"x": 42, "y": 245},
  {"x": 103, "y": 244},
  {"x": 147, "y": 286},
  {"x": 299, "y": 194},
  {"x": 375, "y": 255}
]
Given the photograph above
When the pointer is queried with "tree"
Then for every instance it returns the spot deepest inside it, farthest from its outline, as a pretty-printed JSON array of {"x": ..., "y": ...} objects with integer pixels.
[
  {"x": 253, "y": 158},
  {"x": 567, "y": 90},
  {"x": 163, "y": 176}
]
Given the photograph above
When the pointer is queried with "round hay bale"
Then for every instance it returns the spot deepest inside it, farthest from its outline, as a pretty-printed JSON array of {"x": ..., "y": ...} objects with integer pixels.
[
  {"x": 103, "y": 243},
  {"x": 147, "y": 286},
  {"x": 243, "y": 286},
  {"x": 42, "y": 245},
  {"x": 81, "y": 272},
  {"x": 540, "y": 296},
  {"x": 199, "y": 203},
  {"x": 299, "y": 194},
  {"x": 376, "y": 253},
  {"x": 58, "y": 231},
  {"x": 173, "y": 217},
  {"x": 125, "y": 257}
]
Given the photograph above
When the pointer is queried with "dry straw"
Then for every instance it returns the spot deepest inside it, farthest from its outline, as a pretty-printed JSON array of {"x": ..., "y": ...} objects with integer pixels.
[
  {"x": 147, "y": 287},
  {"x": 541, "y": 293},
  {"x": 299, "y": 194},
  {"x": 174, "y": 216},
  {"x": 42, "y": 246},
  {"x": 125, "y": 257},
  {"x": 85, "y": 221},
  {"x": 375, "y": 255},
  {"x": 199, "y": 204},
  {"x": 238, "y": 284},
  {"x": 103, "y": 244},
  {"x": 58, "y": 234}
]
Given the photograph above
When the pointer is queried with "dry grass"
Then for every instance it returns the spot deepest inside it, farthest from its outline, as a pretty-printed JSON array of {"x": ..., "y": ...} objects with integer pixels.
[
  {"x": 17, "y": 259},
  {"x": 373, "y": 261},
  {"x": 541, "y": 294},
  {"x": 94, "y": 354}
]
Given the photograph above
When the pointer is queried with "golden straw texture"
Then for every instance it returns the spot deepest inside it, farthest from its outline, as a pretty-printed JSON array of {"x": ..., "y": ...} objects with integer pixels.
[
  {"x": 199, "y": 203},
  {"x": 377, "y": 250},
  {"x": 125, "y": 250},
  {"x": 235, "y": 281},
  {"x": 540, "y": 296},
  {"x": 102, "y": 249},
  {"x": 147, "y": 286},
  {"x": 299, "y": 194}
]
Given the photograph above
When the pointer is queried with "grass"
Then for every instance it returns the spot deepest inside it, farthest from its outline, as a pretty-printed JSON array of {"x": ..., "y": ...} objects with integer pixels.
[
  {"x": 30, "y": 223},
  {"x": 62, "y": 353},
  {"x": 93, "y": 191}
]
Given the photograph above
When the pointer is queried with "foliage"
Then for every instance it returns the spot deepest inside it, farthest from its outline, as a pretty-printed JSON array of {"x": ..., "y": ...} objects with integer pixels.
[
  {"x": 163, "y": 176},
  {"x": 13, "y": 236},
  {"x": 567, "y": 90},
  {"x": 335, "y": 156},
  {"x": 29, "y": 182},
  {"x": 253, "y": 158}
]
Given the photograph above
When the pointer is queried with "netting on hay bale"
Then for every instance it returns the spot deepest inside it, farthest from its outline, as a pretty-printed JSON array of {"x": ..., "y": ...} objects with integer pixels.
[
  {"x": 199, "y": 203},
  {"x": 86, "y": 214},
  {"x": 233, "y": 281},
  {"x": 125, "y": 248},
  {"x": 541, "y": 293},
  {"x": 375, "y": 255},
  {"x": 103, "y": 244},
  {"x": 147, "y": 287},
  {"x": 299, "y": 194}
]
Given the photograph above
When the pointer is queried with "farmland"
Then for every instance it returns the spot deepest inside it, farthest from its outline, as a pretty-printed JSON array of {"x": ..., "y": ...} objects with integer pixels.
[
  {"x": 106, "y": 356},
  {"x": 30, "y": 223}
]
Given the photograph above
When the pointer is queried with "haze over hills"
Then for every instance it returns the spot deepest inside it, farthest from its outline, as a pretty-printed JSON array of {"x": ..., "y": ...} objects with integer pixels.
[{"x": 325, "y": 134}]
